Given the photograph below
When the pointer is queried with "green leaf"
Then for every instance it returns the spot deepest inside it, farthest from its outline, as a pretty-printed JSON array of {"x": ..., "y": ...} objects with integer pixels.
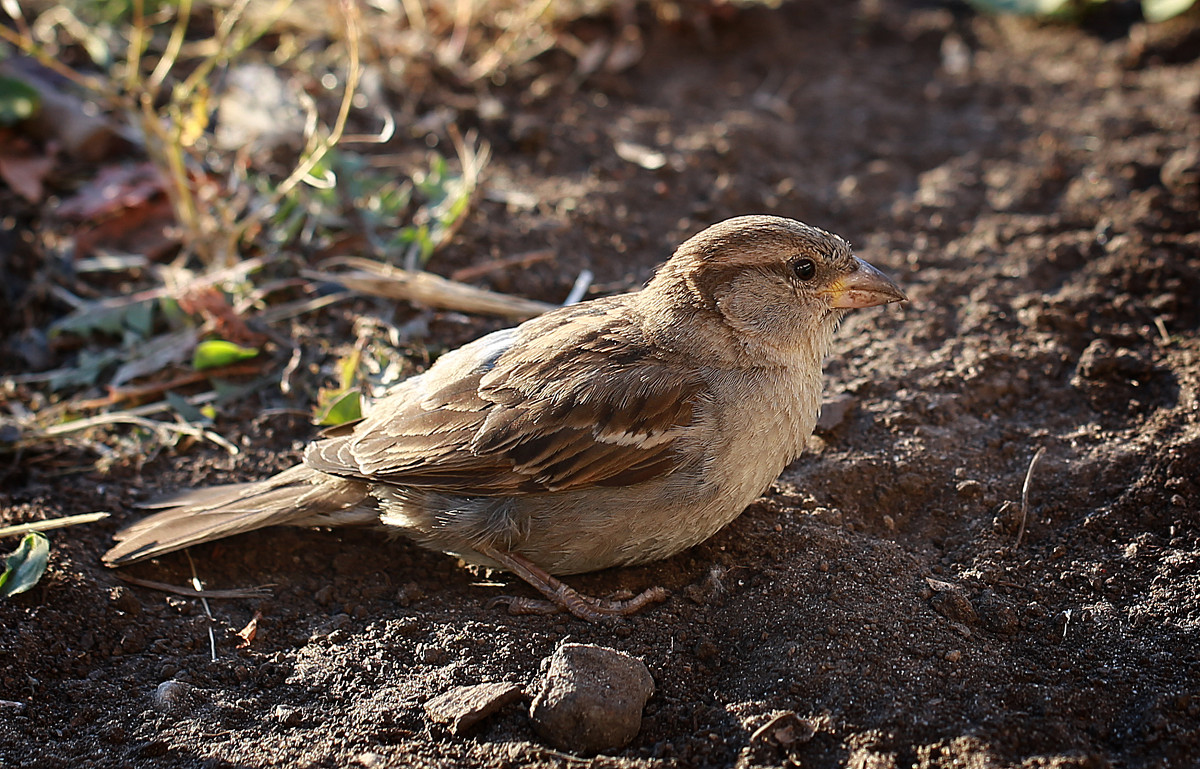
[
  {"x": 214, "y": 353},
  {"x": 1161, "y": 10},
  {"x": 140, "y": 318},
  {"x": 108, "y": 318},
  {"x": 24, "y": 566},
  {"x": 87, "y": 369},
  {"x": 18, "y": 101},
  {"x": 186, "y": 410},
  {"x": 339, "y": 407},
  {"x": 347, "y": 369}
]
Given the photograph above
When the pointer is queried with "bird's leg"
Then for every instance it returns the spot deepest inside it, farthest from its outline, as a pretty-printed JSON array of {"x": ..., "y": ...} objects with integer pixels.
[{"x": 562, "y": 597}]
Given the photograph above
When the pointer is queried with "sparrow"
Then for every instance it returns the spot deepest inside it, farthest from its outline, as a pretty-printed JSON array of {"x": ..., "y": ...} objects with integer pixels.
[{"x": 612, "y": 432}]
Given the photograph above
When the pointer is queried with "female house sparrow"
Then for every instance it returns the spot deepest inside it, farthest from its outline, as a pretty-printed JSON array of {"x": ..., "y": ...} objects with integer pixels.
[{"x": 616, "y": 431}]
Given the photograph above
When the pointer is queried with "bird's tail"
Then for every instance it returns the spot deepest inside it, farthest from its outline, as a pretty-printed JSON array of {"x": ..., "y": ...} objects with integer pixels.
[{"x": 299, "y": 496}]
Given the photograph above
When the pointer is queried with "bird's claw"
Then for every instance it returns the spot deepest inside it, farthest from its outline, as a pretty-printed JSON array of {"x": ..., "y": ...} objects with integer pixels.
[{"x": 585, "y": 607}]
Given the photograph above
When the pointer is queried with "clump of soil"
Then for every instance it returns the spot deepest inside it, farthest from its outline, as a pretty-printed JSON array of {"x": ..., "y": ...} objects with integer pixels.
[{"x": 1034, "y": 189}]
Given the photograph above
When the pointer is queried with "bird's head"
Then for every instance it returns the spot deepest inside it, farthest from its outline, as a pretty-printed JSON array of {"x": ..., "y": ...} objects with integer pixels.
[{"x": 775, "y": 287}]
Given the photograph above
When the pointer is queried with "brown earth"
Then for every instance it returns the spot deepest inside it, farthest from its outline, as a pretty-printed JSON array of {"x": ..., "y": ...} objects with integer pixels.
[{"x": 1035, "y": 189}]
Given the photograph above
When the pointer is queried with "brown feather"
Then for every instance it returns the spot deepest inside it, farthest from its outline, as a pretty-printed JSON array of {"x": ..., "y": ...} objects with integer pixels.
[
  {"x": 296, "y": 496},
  {"x": 565, "y": 405}
]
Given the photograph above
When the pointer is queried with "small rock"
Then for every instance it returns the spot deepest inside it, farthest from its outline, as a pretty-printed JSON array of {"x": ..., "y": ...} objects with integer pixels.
[
  {"x": 641, "y": 155},
  {"x": 833, "y": 412},
  {"x": 124, "y": 600},
  {"x": 288, "y": 715},
  {"x": 1101, "y": 361},
  {"x": 1181, "y": 173},
  {"x": 997, "y": 615},
  {"x": 174, "y": 695},
  {"x": 707, "y": 651},
  {"x": 591, "y": 698},
  {"x": 332, "y": 629},
  {"x": 950, "y": 602},
  {"x": 465, "y": 706},
  {"x": 409, "y": 593},
  {"x": 432, "y": 654},
  {"x": 969, "y": 489},
  {"x": 784, "y": 729}
]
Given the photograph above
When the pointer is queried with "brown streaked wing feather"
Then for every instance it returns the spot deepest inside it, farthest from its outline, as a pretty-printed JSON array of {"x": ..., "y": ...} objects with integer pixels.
[{"x": 574, "y": 401}]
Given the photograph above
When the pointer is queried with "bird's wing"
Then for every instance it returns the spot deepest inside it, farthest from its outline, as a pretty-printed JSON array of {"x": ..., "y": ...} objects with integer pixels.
[{"x": 567, "y": 401}]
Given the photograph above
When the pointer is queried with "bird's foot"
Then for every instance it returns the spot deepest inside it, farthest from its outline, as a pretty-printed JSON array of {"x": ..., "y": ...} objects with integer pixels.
[
  {"x": 584, "y": 607},
  {"x": 562, "y": 597}
]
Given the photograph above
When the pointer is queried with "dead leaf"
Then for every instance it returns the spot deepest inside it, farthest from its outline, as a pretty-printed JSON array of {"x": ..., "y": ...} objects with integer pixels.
[
  {"x": 115, "y": 188},
  {"x": 211, "y": 305},
  {"x": 23, "y": 167},
  {"x": 126, "y": 209},
  {"x": 248, "y": 633}
]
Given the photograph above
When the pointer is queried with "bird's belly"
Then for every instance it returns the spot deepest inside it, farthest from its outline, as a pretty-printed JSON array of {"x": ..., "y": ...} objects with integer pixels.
[{"x": 573, "y": 533}]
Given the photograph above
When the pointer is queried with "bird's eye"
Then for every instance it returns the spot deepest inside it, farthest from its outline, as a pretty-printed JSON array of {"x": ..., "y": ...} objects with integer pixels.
[{"x": 804, "y": 268}]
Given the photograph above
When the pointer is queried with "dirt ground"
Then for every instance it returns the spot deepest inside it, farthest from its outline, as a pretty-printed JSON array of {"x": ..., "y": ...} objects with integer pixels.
[{"x": 1036, "y": 190}]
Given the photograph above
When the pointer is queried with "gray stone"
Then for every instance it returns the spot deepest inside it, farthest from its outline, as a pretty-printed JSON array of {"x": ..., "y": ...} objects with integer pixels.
[{"x": 591, "y": 698}]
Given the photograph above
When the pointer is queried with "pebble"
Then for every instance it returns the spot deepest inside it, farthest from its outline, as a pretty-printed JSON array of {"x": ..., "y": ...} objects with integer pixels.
[
  {"x": 1181, "y": 173},
  {"x": 288, "y": 715},
  {"x": 784, "y": 729},
  {"x": 174, "y": 695},
  {"x": 954, "y": 606},
  {"x": 834, "y": 411},
  {"x": 465, "y": 706},
  {"x": 591, "y": 698}
]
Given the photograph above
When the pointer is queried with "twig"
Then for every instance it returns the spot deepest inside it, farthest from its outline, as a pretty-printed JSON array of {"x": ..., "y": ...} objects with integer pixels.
[
  {"x": 118, "y": 394},
  {"x": 285, "y": 379},
  {"x": 127, "y": 417},
  {"x": 497, "y": 265},
  {"x": 137, "y": 411},
  {"x": 419, "y": 287},
  {"x": 1025, "y": 495},
  {"x": 254, "y": 592},
  {"x": 582, "y": 283},
  {"x": 21, "y": 529},
  {"x": 1162, "y": 329},
  {"x": 300, "y": 306},
  {"x": 318, "y": 147},
  {"x": 212, "y": 637},
  {"x": 26, "y": 44}
]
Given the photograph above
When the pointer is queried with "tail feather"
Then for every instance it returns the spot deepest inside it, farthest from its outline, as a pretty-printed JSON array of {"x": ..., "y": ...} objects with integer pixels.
[
  {"x": 200, "y": 498},
  {"x": 299, "y": 496}
]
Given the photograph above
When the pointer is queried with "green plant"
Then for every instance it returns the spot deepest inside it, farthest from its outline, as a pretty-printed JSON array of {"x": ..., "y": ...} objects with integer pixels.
[
  {"x": 172, "y": 110},
  {"x": 18, "y": 101},
  {"x": 24, "y": 566},
  {"x": 402, "y": 219}
]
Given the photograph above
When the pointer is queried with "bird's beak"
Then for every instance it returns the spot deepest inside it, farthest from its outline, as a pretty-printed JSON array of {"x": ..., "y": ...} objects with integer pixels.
[{"x": 865, "y": 287}]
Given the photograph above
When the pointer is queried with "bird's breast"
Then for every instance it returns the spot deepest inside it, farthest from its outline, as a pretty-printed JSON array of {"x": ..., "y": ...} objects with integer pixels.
[{"x": 763, "y": 424}]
